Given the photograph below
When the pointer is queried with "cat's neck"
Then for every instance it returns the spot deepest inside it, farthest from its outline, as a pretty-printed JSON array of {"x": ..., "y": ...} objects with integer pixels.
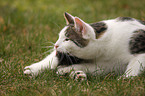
[{"x": 97, "y": 49}]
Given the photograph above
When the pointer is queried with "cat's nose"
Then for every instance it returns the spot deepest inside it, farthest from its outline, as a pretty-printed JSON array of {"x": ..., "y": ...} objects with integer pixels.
[{"x": 56, "y": 46}]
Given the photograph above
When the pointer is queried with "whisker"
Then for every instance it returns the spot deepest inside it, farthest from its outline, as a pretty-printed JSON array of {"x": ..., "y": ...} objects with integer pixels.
[
  {"x": 48, "y": 51},
  {"x": 47, "y": 47},
  {"x": 61, "y": 57},
  {"x": 50, "y": 43},
  {"x": 72, "y": 56},
  {"x": 68, "y": 52},
  {"x": 69, "y": 59},
  {"x": 56, "y": 25}
]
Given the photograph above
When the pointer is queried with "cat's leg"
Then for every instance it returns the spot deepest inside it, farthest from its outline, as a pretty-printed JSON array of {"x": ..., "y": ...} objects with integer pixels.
[
  {"x": 135, "y": 66},
  {"x": 87, "y": 68},
  {"x": 50, "y": 62},
  {"x": 78, "y": 71}
]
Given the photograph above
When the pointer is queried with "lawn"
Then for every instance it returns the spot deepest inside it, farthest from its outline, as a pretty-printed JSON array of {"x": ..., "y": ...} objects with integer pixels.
[{"x": 28, "y": 26}]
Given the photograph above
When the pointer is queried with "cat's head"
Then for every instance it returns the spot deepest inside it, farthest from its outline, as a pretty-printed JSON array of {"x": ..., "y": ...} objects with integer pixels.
[{"x": 76, "y": 38}]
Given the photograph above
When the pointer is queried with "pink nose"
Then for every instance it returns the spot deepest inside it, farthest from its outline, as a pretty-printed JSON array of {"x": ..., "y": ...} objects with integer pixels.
[{"x": 56, "y": 46}]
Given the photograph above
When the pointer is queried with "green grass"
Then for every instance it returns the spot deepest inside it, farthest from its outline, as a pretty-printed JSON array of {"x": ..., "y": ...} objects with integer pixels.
[{"x": 28, "y": 25}]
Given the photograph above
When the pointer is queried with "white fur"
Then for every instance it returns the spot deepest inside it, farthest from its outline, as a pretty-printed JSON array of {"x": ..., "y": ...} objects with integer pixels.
[
  {"x": 50, "y": 62},
  {"x": 108, "y": 53}
]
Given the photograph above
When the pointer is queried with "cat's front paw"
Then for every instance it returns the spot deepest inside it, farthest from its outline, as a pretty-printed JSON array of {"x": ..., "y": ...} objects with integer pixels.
[
  {"x": 31, "y": 70},
  {"x": 27, "y": 70},
  {"x": 125, "y": 77},
  {"x": 78, "y": 75}
]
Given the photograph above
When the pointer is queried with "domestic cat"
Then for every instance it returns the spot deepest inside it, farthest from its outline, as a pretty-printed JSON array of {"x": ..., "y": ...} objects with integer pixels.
[{"x": 98, "y": 48}]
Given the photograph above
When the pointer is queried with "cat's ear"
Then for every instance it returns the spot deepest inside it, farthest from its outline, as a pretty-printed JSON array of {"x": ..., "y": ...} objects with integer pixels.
[
  {"x": 82, "y": 27},
  {"x": 69, "y": 18}
]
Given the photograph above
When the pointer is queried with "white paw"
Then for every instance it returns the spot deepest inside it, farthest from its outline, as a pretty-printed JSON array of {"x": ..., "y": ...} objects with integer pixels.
[
  {"x": 32, "y": 69},
  {"x": 27, "y": 70},
  {"x": 123, "y": 77},
  {"x": 78, "y": 75}
]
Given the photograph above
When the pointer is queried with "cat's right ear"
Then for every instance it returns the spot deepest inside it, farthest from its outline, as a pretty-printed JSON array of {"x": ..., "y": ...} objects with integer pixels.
[{"x": 69, "y": 18}]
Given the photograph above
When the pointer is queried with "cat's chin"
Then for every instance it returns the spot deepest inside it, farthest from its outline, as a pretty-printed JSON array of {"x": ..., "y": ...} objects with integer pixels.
[{"x": 58, "y": 52}]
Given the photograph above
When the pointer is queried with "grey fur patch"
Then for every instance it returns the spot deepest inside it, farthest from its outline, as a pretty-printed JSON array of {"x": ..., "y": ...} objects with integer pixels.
[
  {"x": 100, "y": 28},
  {"x": 125, "y": 19},
  {"x": 142, "y": 22},
  {"x": 137, "y": 42},
  {"x": 76, "y": 37}
]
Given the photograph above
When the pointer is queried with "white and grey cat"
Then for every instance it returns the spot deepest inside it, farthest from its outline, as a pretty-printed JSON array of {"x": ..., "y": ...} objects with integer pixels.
[{"x": 110, "y": 45}]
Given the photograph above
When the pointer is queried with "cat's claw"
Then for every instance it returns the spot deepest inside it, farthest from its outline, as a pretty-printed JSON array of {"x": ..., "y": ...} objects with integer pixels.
[{"x": 78, "y": 75}]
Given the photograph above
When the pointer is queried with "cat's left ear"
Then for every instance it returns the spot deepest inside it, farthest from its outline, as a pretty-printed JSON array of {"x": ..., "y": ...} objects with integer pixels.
[
  {"x": 82, "y": 27},
  {"x": 69, "y": 18}
]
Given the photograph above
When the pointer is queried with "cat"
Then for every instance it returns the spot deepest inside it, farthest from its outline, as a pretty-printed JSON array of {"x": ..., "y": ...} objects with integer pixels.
[{"x": 98, "y": 48}]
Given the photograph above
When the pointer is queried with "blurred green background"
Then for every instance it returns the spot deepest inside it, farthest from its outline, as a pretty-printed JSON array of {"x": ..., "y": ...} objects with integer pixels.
[
  {"x": 26, "y": 26},
  {"x": 27, "y": 23}
]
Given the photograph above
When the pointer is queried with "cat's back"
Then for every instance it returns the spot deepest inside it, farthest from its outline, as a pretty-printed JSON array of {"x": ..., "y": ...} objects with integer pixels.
[
  {"x": 122, "y": 27},
  {"x": 125, "y": 23}
]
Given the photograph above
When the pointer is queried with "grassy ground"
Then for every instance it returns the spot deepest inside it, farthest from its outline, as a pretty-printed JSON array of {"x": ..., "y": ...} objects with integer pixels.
[{"x": 28, "y": 25}]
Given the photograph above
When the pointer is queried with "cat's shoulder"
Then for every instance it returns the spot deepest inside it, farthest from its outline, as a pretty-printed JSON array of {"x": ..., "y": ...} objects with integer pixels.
[
  {"x": 125, "y": 22},
  {"x": 124, "y": 19}
]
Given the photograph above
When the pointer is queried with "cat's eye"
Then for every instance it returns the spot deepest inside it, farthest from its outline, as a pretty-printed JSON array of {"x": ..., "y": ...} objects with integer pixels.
[{"x": 66, "y": 39}]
